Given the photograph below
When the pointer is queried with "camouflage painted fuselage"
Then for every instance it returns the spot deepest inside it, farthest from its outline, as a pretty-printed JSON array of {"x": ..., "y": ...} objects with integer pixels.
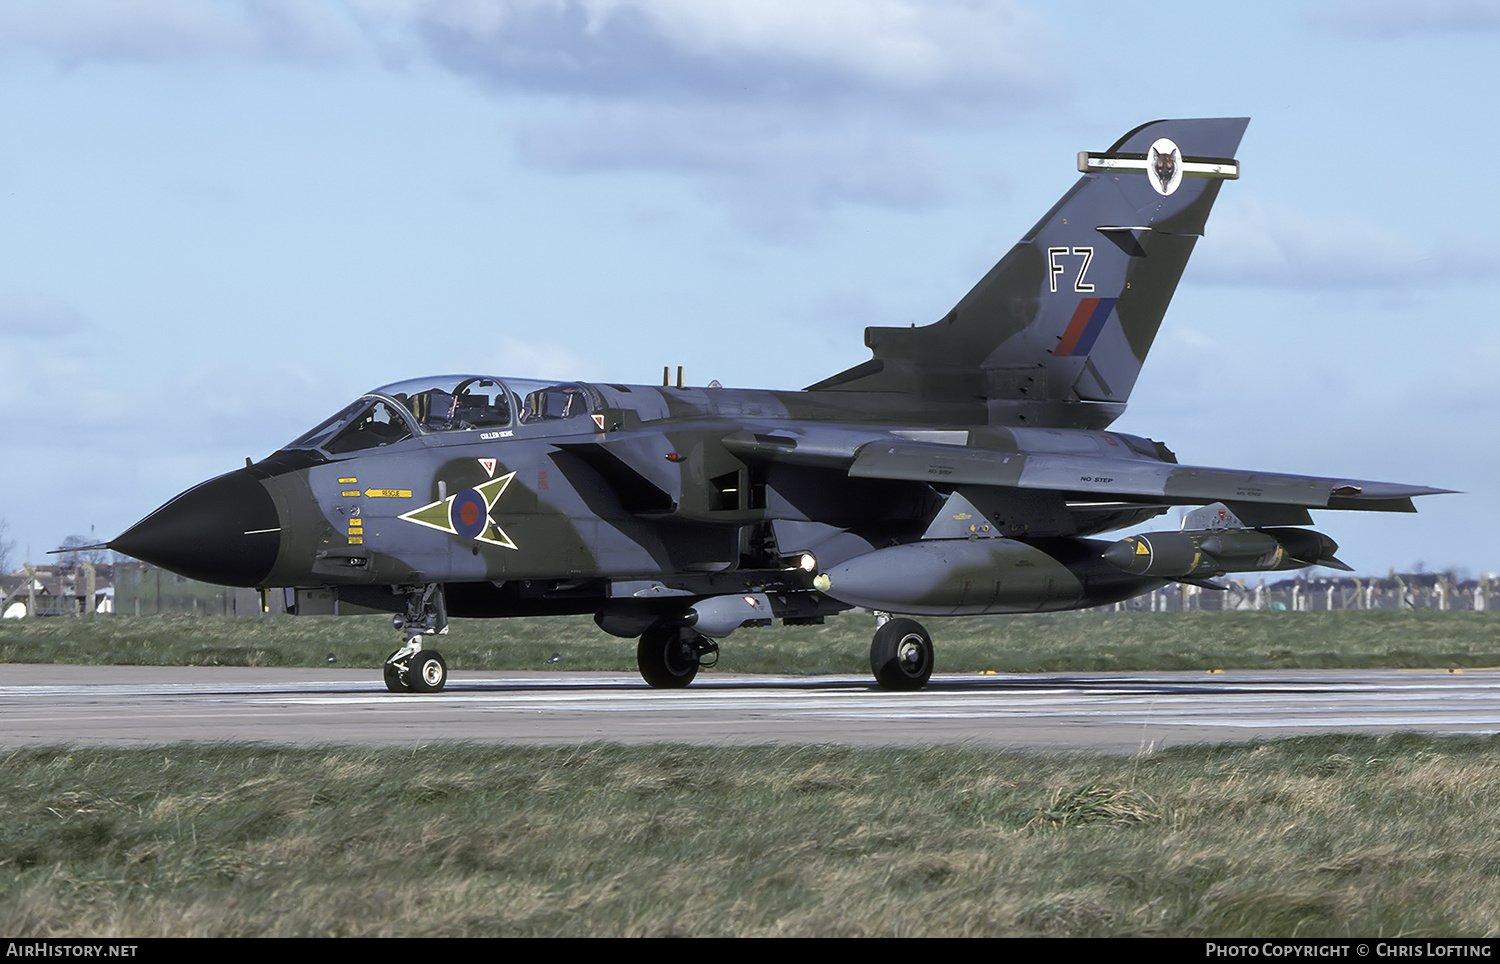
[
  {"x": 960, "y": 470},
  {"x": 682, "y": 491}
]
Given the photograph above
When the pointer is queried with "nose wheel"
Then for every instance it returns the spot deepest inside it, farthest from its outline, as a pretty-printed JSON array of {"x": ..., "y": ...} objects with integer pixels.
[
  {"x": 420, "y": 671},
  {"x": 413, "y": 669},
  {"x": 395, "y": 674},
  {"x": 901, "y": 655}
]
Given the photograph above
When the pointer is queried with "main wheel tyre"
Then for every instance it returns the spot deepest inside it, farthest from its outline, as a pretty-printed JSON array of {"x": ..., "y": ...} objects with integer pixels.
[
  {"x": 901, "y": 655},
  {"x": 395, "y": 681},
  {"x": 666, "y": 660},
  {"x": 428, "y": 672}
]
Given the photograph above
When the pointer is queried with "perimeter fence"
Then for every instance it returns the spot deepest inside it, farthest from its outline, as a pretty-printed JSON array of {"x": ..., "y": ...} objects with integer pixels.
[{"x": 1441, "y": 591}]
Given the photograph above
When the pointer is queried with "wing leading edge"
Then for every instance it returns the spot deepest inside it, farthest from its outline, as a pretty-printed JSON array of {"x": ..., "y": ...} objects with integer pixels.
[
  {"x": 873, "y": 454},
  {"x": 1128, "y": 480}
]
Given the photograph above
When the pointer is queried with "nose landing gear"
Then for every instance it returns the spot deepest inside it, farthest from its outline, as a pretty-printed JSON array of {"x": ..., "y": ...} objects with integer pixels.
[{"x": 413, "y": 668}]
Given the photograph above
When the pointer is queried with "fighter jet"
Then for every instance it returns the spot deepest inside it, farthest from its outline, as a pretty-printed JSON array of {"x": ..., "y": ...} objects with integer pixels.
[{"x": 963, "y": 469}]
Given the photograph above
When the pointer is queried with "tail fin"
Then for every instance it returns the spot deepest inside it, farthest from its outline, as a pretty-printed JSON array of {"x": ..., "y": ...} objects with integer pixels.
[{"x": 1057, "y": 331}]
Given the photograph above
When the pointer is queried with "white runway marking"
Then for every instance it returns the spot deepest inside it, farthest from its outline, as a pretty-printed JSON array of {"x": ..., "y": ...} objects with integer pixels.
[{"x": 1116, "y": 712}]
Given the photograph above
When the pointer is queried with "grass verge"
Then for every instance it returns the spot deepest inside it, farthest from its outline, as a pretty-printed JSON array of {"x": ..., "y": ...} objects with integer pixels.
[
  {"x": 1069, "y": 642},
  {"x": 1320, "y": 836}
]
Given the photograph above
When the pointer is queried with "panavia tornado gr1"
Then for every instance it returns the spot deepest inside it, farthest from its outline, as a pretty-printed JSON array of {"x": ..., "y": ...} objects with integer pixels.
[{"x": 965, "y": 468}]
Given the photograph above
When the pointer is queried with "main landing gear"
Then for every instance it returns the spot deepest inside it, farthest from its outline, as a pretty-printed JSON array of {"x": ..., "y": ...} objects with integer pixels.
[
  {"x": 901, "y": 655},
  {"x": 413, "y": 668},
  {"x": 669, "y": 656}
]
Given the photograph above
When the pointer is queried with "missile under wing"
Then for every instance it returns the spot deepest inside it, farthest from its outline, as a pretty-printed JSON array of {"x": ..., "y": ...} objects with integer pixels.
[{"x": 965, "y": 468}]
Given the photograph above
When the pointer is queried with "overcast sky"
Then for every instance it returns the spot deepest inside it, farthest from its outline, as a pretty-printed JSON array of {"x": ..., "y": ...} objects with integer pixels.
[{"x": 220, "y": 220}]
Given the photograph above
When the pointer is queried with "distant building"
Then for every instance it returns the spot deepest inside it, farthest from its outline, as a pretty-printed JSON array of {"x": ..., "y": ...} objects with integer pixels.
[
  {"x": 59, "y": 589},
  {"x": 145, "y": 590},
  {"x": 127, "y": 588}
]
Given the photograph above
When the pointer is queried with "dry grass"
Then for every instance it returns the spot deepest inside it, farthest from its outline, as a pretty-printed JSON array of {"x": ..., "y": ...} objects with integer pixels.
[{"x": 1323, "y": 836}]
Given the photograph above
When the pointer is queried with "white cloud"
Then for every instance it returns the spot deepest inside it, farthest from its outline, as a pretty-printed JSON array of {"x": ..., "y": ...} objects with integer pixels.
[
  {"x": 73, "y": 32},
  {"x": 779, "y": 50},
  {"x": 777, "y": 105},
  {"x": 779, "y": 167},
  {"x": 773, "y": 105},
  {"x": 1250, "y": 241}
]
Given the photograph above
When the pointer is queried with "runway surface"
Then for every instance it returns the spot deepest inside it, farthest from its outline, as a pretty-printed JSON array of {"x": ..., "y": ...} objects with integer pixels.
[{"x": 1112, "y": 712}]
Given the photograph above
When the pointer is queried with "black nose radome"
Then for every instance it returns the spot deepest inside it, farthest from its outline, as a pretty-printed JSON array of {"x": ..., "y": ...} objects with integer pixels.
[{"x": 224, "y": 531}]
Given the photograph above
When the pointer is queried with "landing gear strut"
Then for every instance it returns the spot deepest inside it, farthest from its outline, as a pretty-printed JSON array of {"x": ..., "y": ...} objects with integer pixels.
[
  {"x": 413, "y": 669},
  {"x": 901, "y": 655},
  {"x": 669, "y": 656}
]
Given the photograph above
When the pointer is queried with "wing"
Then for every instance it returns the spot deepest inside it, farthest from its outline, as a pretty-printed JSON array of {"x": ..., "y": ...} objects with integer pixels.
[
  {"x": 1099, "y": 491},
  {"x": 1095, "y": 478}
]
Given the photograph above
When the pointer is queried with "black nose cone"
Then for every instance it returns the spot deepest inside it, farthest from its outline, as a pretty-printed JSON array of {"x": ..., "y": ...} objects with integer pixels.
[{"x": 224, "y": 531}]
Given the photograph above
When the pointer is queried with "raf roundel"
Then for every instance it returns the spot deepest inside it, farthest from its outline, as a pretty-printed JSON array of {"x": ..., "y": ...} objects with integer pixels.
[{"x": 469, "y": 514}]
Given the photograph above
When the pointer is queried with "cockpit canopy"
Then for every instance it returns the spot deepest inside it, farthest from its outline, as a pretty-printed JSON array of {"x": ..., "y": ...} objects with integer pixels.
[
  {"x": 453, "y": 403},
  {"x": 444, "y": 403}
]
